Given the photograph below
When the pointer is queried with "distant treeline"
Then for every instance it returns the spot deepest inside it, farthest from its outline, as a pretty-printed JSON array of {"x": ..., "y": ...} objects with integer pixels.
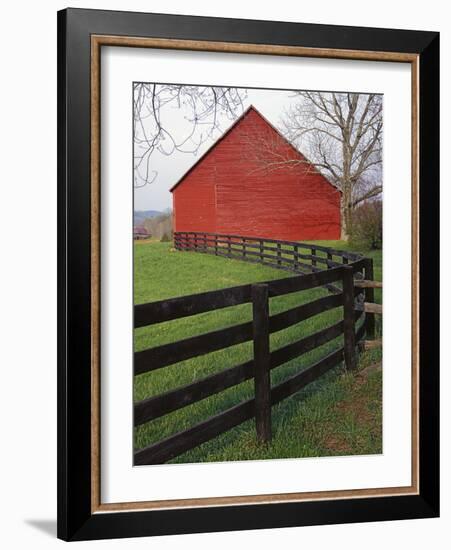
[{"x": 160, "y": 226}]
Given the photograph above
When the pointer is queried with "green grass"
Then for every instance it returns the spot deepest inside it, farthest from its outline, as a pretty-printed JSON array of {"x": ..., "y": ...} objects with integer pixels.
[{"x": 309, "y": 423}]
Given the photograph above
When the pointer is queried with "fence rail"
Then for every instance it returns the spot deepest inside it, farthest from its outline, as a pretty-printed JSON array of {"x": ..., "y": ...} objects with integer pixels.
[
  {"x": 199, "y": 240},
  {"x": 257, "y": 330},
  {"x": 285, "y": 255}
]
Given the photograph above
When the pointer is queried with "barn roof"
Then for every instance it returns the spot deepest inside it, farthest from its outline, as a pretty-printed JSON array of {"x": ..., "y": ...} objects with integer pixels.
[
  {"x": 140, "y": 230},
  {"x": 231, "y": 127}
]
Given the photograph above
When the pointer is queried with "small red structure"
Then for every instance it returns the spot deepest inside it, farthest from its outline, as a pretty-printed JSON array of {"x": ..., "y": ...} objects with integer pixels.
[
  {"x": 140, "y": 232},
  {"x": 253, "y": 182}
]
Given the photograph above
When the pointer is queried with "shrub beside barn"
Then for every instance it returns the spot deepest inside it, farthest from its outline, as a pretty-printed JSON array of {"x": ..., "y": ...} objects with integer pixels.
[{"x": 253, "y": 182}]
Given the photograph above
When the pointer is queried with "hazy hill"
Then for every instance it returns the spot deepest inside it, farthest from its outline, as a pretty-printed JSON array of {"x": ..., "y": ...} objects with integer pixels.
[{"x": 140, "y": 215}]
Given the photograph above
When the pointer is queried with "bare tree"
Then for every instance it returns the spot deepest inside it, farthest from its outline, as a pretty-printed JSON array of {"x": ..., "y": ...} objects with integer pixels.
[
  {"x": 154, "y": 129},
  {"x": 160, "y": 225},
  {"x": 341, "y": 134}
]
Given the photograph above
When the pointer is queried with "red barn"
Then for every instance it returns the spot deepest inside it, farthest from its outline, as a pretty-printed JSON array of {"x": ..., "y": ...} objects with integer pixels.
[{"x": 252, "y": 181}]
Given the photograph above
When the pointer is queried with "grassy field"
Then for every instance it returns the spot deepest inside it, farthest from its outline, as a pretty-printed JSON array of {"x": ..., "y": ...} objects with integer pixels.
[{"x": 338, "y": 414}]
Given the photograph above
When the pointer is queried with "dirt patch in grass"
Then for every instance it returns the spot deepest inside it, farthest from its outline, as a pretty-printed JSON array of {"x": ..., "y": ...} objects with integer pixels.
[
  {"x": 357, "y": 419},
  {"x": 357, "y": 407},
  {"x": 363, "y": 374},
  {"x": 338, "y": 446}
]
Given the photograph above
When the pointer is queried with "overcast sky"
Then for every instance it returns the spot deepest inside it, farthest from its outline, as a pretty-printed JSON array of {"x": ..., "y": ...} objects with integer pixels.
[{"x": 156, "y": 195}]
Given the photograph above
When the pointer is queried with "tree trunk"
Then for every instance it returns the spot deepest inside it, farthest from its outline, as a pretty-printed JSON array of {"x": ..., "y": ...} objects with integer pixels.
[{"x": 346, "y": 212}]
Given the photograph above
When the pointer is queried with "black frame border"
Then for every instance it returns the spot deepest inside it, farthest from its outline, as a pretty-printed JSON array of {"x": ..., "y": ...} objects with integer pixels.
[{"x": 75, "y": 520}]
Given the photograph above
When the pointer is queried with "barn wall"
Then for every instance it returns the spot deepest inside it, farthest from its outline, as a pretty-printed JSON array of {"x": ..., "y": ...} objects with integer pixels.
[
  {"x": 193, "y": 202},
  {"x": 294, "y": 203}
]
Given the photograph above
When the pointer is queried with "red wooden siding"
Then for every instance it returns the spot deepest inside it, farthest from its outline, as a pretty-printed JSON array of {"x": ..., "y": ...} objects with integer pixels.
[
  {"x": 194, "y": 202},
  {"x": 229, "y": 190}
]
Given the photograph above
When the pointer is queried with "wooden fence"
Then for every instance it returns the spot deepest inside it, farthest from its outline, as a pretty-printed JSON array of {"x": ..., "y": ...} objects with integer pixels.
[
  {"x": 293, "y": 256},
  {"x": 340, "y": 276},
  {"x": 287, "y": 255}
]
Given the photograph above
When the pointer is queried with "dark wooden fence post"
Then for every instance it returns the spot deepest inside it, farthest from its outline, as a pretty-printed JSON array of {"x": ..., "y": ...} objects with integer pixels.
[
  {"x": 369, "y": 297},
  {"x": 261, "y": 251},
  {"x": 229, "y": 246},
  {"x": 295, "y": 257},
  {"x": 313, "y": 259},
  {"x": 349, "y": 318},
  {"x": 329, "y": 258},
  {"x": 262, "y": 377},
  {"x": 279, "y": 254},
  {"x": 244, "y": 247},
  {"x": 216, "y": 245}
]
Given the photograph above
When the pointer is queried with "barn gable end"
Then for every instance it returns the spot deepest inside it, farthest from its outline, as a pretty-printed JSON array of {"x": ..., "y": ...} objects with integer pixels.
[{"x": 231, "y": 189}]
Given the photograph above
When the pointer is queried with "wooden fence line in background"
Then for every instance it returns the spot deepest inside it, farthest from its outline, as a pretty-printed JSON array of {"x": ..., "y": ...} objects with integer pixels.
[
  {"x": 352, "y": 256},
  {"x": 276, "y": 253}
]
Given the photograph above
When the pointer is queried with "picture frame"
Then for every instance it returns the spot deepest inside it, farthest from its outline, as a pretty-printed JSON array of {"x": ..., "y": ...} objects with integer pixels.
[{"x": 81, "y": 35}]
